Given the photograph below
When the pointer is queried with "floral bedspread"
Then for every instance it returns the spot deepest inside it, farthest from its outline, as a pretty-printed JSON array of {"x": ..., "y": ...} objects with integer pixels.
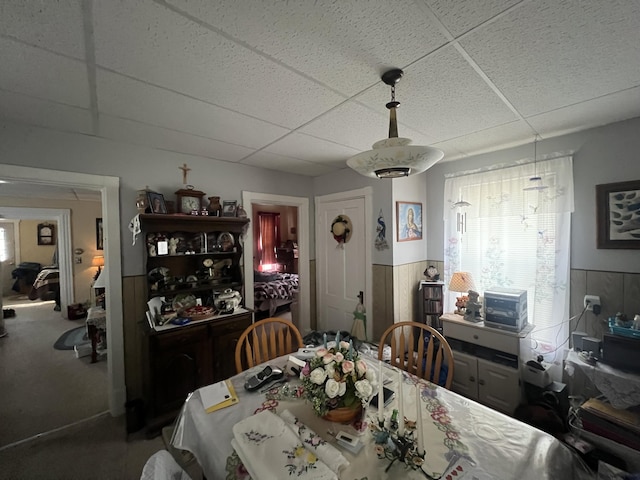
[{"x": 283, "y": 288}]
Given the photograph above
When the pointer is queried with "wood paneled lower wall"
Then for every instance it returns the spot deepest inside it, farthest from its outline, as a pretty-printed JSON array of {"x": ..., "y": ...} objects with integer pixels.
[{"x": 395, "y": 299}]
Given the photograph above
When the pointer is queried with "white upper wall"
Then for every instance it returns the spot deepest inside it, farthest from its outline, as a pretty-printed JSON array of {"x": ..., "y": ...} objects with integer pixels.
[
  {"x": 602, "y": 155},
  {"x": 138, "y": 167}
]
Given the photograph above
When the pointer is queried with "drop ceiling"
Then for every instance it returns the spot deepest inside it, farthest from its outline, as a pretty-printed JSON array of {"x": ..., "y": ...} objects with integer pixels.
[{"x": 295, "y": 85}]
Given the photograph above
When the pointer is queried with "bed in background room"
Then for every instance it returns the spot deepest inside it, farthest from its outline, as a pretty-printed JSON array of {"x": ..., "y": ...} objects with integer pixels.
[{"x": 273, "y": 290}]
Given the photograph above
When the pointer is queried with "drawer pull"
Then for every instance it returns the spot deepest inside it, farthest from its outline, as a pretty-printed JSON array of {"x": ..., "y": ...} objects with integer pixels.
[
  {"x": 472, "y": 378},
  {"x": 475, "y": 337},
  {"x": 481, "y": 382}
]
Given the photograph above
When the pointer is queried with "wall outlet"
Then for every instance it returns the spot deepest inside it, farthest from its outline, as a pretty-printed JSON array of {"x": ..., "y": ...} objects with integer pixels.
[{"x": 591, "y": 301}]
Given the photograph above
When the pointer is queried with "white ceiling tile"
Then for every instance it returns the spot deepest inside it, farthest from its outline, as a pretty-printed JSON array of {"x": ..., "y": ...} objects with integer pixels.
[
  {"x": 130, "y": 131},
  {"x": 435, "y": 91},
  {"x": 181, "y": 55},
  {"x": 312, "y": 149},
  {"x": 352, "y": 125},
  {"x": 122, "y": 97},
  {"x": 460, "y": 17},
  {"x": 507, "y": 135},
  {"x": 593, "y": 113},
  {"x": 41, "y": 74},
  {"x": 344, "y": 45},
  {"x": 272, "y": 161},
  {"x": 34, "y": 111},
  {"x": 549, "y": 54},
  {"x": 55, "y": 26}
]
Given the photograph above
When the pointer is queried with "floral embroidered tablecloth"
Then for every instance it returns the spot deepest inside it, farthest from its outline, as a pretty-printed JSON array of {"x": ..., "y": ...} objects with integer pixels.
[{"x": 454, "y": 429}]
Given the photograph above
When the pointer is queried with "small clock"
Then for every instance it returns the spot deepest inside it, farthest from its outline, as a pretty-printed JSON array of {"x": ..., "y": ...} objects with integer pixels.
[{"x": 189, "y": 199}]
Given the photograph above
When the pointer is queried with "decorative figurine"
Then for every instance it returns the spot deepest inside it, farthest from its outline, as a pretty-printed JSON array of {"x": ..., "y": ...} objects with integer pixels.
[
  {"x": 432, "y": 274},
  {"x": 473, "y": 311}
]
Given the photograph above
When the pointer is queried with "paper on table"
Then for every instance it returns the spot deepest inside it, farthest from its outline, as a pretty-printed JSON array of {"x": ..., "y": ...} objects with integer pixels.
[{"x": 218, "y": 395}]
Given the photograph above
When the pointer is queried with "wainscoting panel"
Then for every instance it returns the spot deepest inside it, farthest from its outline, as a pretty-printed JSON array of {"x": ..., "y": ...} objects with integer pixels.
[{"x": 134, "y": 306}]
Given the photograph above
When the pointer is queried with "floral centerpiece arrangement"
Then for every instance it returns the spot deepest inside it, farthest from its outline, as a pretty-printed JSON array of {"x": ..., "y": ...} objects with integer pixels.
[{"x": 337, "y": 377}]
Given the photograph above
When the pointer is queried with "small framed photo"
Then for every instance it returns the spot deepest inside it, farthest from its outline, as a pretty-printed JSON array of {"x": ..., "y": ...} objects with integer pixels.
[
  {"x": 617, "y": 206},
  {"x": 156, "y": 203},
  {"x": 229, "y": 208},
  {"x": 99, "y": 235},
  {"x": 408, "y": 221},
  {"x": 46, "y": 234}
]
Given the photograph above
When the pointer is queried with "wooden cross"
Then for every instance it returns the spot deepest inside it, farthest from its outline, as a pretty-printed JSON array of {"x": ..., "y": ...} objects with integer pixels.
[{"x": 184, "y": 169}]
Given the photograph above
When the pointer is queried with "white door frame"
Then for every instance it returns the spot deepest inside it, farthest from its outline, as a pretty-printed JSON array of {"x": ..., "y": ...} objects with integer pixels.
[
  {"x": 63, "y": 236},
  {"x": 304, "y": 294},
  {"x": 110, "y": 189},
  {"x": 367, "y": 194}
]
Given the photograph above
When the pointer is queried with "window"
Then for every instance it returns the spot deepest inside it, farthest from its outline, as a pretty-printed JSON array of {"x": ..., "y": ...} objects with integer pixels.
[
  {"x": 4, "y": 245},
  {"x": 516, "y": 238}
]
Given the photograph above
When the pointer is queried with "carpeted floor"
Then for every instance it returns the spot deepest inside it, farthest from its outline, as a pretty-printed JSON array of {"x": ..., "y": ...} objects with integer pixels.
[
  {"x": 41, "y": 388},
  {"x": 71, "y": 338}
]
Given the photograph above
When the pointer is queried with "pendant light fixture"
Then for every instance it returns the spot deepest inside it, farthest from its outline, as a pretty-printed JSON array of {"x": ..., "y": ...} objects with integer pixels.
[
  {"x": 535, "y": 182},
  {"x": 394, "y": 157}
]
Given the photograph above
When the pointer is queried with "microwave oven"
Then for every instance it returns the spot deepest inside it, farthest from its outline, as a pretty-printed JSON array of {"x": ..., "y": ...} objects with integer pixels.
[{"x": 505, "y": 308}]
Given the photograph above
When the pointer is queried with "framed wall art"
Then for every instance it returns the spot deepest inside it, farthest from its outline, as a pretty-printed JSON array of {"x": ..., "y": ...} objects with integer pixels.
[
  {"x": 99, "y": 235},
  {"x": 408, "y": 221},
  {"x": 46, "y": 234},
  {"x": 618, "y": 215},
  {"x": 229, "y": 208},
  {"x": 156, "y": 202}
]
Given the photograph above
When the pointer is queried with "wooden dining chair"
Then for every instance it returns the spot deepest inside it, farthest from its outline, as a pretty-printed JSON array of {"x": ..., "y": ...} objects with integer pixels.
[
  {"x": 265, "y": 340},
  {"x": 421, "y": 350}
]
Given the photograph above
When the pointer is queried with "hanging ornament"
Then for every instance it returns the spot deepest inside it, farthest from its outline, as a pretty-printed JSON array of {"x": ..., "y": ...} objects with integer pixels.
[
  {"x": 341, "y": 230},
  {"x": 381, "y": 233}
]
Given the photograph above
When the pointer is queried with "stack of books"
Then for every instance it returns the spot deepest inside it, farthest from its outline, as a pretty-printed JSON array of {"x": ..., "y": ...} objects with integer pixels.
[{"x": 621, "y": 426}]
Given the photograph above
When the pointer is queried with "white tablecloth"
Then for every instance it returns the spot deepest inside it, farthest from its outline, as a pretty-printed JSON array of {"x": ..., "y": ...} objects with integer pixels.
[{"x": 500, "y": 446}]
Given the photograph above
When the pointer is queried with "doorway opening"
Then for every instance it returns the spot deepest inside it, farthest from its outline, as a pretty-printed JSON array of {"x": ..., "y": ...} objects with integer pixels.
[{"x": 293, "y": 227}]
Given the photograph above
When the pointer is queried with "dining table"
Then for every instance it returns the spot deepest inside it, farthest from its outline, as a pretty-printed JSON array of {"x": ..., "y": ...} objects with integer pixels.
[{"x": 461, "y": 439}]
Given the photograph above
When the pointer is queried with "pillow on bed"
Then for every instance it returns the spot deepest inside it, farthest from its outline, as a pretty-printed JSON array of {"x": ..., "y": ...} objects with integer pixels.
[{"x": 266, "y": 276}]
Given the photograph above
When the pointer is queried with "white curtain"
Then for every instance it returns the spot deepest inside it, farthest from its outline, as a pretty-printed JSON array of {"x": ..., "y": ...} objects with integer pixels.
[{"x": 516, "y": 238}]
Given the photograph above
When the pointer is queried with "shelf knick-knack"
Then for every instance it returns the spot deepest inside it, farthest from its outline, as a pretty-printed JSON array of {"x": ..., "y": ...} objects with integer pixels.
[{"x": 215, "y": 208}]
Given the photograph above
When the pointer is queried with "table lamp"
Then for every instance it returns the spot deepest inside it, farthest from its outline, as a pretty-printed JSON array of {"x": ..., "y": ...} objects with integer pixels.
[
  {"x": 98, "y": 261},
  {"x": 461, "y": 282}
]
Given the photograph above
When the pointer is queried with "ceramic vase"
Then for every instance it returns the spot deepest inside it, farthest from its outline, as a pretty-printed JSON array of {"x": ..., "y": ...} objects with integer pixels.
[
  {"x": 214, "y": 208},
  {"x": 344, "y": 414}
]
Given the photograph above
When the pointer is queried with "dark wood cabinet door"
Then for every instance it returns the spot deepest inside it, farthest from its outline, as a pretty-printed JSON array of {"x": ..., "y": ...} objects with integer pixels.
[
  {"x": 225, "y": 338},
  {"x": 181, "y": 364}
]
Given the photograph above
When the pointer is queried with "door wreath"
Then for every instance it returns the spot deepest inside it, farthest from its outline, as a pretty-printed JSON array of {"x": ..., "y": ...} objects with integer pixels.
[{"x": 341, "y": 229}]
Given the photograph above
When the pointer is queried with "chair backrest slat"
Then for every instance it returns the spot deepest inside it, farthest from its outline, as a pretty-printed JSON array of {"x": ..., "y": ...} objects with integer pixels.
[
  {"x": 265, "y": 340},
  {"x": 409, "y": 353}
]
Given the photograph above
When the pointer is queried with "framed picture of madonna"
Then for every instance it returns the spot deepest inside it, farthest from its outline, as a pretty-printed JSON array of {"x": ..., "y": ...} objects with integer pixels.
[{"x": 618, "y": 215}]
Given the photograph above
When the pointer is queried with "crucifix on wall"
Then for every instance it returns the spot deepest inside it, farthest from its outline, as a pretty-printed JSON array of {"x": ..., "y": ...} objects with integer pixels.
[{"x": 185, "y": 170}]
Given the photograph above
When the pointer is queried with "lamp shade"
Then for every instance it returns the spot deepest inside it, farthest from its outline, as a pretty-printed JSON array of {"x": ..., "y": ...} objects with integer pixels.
[
  {"x": 461, "y": 282},
  {"x": 97, "y": 261},
  {"x": 101, "y": 281}
]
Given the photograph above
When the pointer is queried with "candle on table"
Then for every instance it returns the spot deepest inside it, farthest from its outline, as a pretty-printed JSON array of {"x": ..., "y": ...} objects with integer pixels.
[
  {"x": 419, "y": 420},
  {"x": 380, "y": 393},
  {"x": 350, "y": 349},
  {"x": 338, "y": 339},
  {"x": 325, "y": 340},
  {"x": 400, "y": 406}
]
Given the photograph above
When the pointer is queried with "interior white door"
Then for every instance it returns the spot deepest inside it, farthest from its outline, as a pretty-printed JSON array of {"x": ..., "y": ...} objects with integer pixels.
[{"x": 341, "y": 269}]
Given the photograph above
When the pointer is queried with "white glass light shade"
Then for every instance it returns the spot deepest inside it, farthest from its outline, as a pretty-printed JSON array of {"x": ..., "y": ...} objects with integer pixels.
[{"x": 395, "y": 154}]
